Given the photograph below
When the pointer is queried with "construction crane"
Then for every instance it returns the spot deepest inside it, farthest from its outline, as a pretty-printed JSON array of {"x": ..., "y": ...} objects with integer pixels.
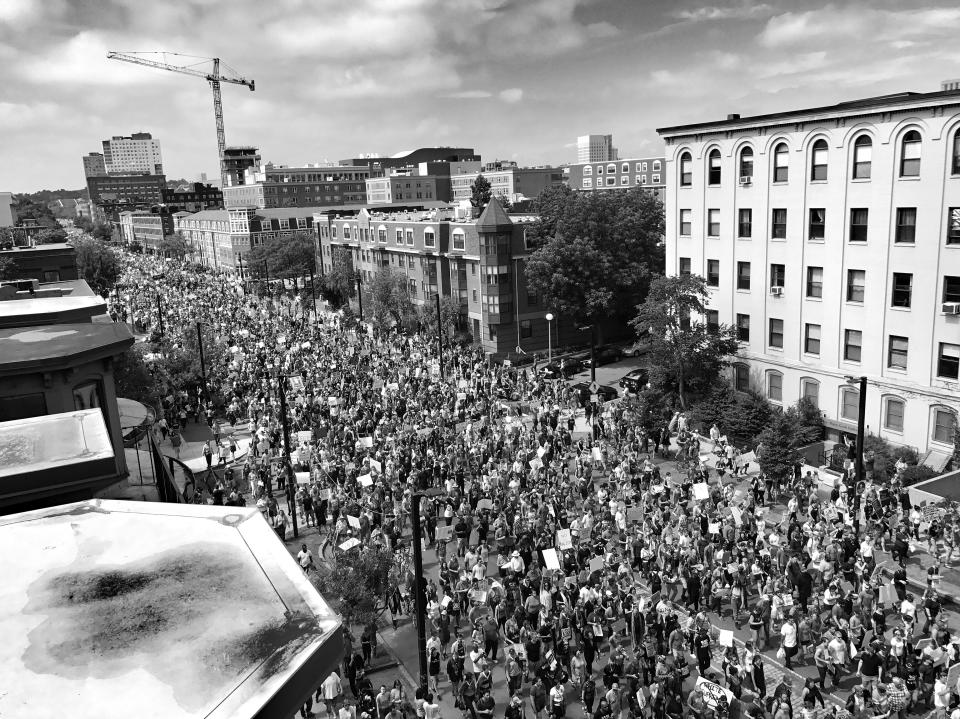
[{"x": 214, "y": 77}]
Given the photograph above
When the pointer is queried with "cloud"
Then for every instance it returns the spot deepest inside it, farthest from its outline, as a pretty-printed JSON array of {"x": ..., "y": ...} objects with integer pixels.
[
  {"x": 469, "y": 95},
  {"x": 710, "y": 13},
  {"x": 511, "y": 95}
]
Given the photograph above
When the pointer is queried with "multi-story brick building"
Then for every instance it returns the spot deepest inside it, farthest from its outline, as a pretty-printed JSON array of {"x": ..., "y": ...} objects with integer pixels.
[
  {"x": 117, "y": 193},
  {"x": 479, "y": 261},
  {"x": 830, "y": 238},
  {"x": 194, "y": 198},
  {"x": 271, "y": 186},
  {"x": 507, "y": 181},
  {"x": 645, "y": 172},
  {"x": 146, "y": 228}
]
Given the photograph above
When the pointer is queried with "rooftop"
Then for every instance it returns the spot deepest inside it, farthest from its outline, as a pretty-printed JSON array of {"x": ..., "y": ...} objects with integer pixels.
[
  {"x": 38, "y": 348},
  {"x": 851, "y": 107},
  {"x": 57, "y": 440},
  {"x": 182, "y": 610}
]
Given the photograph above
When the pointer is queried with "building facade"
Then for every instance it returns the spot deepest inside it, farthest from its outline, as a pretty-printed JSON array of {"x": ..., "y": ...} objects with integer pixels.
[
  {"x": 237, "y": 160},
  {"x": 507, "y": 181},
  {"x": 137, "y": 154},
  {"x": 401, "y": 186},
  {"x": 595, "y": 148},
  {"x": 94, "y": 165},
  {"x": 147, "y": 229},
  {"x": 377, "y": 164},
  {"x": 221, "y": 238},
  {"x": 272, "y": 186},
  {"x": 8, "y": 216},
  {"x": 194, "y": 198},
  {"x": 830, "y": 238},
  {"x": 117, "y": 193},
  {"x": 479, "y": 261},
  {"x": 645, "y": 172}
]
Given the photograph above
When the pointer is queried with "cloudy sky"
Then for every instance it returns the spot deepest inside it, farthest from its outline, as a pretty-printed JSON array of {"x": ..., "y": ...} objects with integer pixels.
[{"x": 515, "y": 79}]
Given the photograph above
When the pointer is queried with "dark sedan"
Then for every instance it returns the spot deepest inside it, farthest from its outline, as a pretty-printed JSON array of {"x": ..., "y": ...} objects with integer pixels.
[
  {"x": 605, "y": 354},
  {"x": 604, "y": 392},
  {"x": 554, "y": 370},
  {"x": 634, "y": 380}
]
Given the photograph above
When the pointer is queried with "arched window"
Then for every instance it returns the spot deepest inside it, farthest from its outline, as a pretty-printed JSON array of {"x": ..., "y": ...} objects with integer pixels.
[
  {"x": 588, "y": 170},
  {"x": 741, "y": 377},
  {"x": 775, "y": 386},
  {"x": 781, "y": 168},
  {"x": 713, "y": 165},
  {"x": 849, "y": 404},
  {"x": 746, "y": 162},
  {"x": 862, "y": 157},
  {"x": 611, "y": 169},
  {"x": 944, "y": 423},
  {"x": 893, "y": 409},
  {"x": 818, "y": 160},
  {"x": 955, "y": 162},
  {"x": 686, "y": 170},
  {"x": 810, "y": 391},
  {"x": 910, "y": 154}
]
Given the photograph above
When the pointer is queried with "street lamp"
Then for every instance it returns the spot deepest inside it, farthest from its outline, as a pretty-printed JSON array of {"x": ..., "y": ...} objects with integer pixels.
[
  {"x": 859, "y": 448},
  {"x": 593, "y": 350},
  {"x": 549, "y": 319},
  {"x": 359, "y": 295},
  {"x": 420, "y": 594}
]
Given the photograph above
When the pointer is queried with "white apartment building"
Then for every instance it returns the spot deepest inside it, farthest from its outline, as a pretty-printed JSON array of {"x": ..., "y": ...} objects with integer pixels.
[
  {"x": 830, "y": 237},
  {"x": 137, "y": 154},
  {"x": 595, "y": 148}
]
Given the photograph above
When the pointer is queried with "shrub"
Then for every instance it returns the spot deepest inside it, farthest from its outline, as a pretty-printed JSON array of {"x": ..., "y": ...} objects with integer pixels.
[{"x": 916, "y": 473}]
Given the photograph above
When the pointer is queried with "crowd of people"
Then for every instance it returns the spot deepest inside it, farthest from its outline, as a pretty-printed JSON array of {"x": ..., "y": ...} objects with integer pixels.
[{"x": 568, "y": 557}]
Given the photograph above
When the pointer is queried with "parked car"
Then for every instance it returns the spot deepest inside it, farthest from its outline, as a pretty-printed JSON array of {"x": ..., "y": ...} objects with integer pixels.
[
  {"x": 605, "y": 392},
  {"x": 634, "y": 380},
  {"x": 571, "y": 365},
  {"x": 639, "y": 347},
  {"x": 604, "y": 354}
]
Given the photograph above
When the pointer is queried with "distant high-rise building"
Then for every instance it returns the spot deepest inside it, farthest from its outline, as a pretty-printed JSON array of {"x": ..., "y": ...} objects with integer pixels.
[
  {"x": 596, "y": 148},
  {"x": 8, "y": 216},
  {"x": 236, "y": 160},
  {"x": 94, "y": 166},
  {"x": 137, "y": 154}
]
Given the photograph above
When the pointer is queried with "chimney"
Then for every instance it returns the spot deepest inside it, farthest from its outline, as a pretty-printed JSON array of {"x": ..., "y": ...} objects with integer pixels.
[
  {"x": 950, "y": 85},
  {"x": 733, "y": 116}
]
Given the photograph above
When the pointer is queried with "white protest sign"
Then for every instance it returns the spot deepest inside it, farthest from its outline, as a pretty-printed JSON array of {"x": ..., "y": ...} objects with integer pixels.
[
  {"x": 303, "y": 477},
  {"x": 713, "y": 528},
  {"x": 374, "y": 464},
  {"x": 353, "y": 521},
  {"x": 550, "y": 558},
  {"x": 701, "y": 491},
  {"x": 712, "y": 692},
  {"x": 726, "y": 638},
  {"x": 366, "y": 442},
  {"x": 564, "y": 539},
  {"x": 350, "y": 544},
  {"x": 736, "y": 516},
  {"x": 365, "y": 480},
  {"x": 596, "y": 454}
]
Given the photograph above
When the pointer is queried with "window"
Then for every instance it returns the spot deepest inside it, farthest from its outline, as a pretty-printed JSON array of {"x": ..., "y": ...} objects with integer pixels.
[
  {"x": 893, "y": 414},
  {"x": 333, "y": 232},
  {"x": 948, "y": 361},
  {"x": 713, "y": 167},
  {"x": 897, "y": 352},
  {"x": 944, "y": 426},
  {"x": 746, "y": 162},
  {"x": 410, "y": 262},
  {"x": 686, "y": 170},
  {"x": 587, "y": 182},
  {"x": 811, "y": 391},
  {"x": 955, "y": 162},
  {"x": 399, "y": 237},
  {"x": 855, "y": 283},
  {"x": 775, "y": 386},
  {"x": 906, "y": 225},
  {"x": 640, "y": 179},
  {"x": 713, "y": 273},
  {"x": 852, "y": 345},
  {"x": 818, "y": 161},
  {"x": 953, "y": 226},
  {"x": 743, "y": 328},
  {"x": 346, "y": 232},
  {"x": 474, "y": 293},
  {"x": 741, "y": 378},
  {"x": 611, "y": 181},
  {"x": 815, "y": 282},
  {"x": 713, "y": 223},
  {"x": 23, "y": 406},
  {"x": 780, "y": 160},
  {"x": 910, "y": 154},
  {"x": 624, "y": 179},
  {"x": 811, "y": 339},
  {"x": 526, "y": 329},
  {"x": 775, "y": 338},
  {"x": 850, "y": 404},
  {"x": 656, "y": 166},
  {"x": 818, "y": 224},
  {"x": 862, "y": 157},
  {"x": 611, "y": 169},
  {"x": 951, "y": 289},
  {"x": 713, "y": 321},
  {"x": 858, "y": 224},
  {"x": 458, "y": 240},
  {"x": 745, "y": 222},
  {"x": 429, "y": 239},
  {"x": 382, "y": 236},
  {"x": 599, "y": 169},
  {"x": 410, "y": 238},
  {"x": 778, "y": 275},
  {"x": 779, "y": 224},
  {"x": 684, "y": 265},
  {"x": 625, "y": 167},
  {"x": 686, "y": 224},
  {"x": 588, "y": 170},
  {"x": 743, "y": 275},
  {"x": 656, "y": 179},
  {"x": 51, "y": 275},
  {"x": 902, "y": 289}
]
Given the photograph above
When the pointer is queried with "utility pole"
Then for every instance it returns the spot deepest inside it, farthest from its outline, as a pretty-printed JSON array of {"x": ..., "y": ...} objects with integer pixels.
[
  {"x": 859, "y": 458},
  {"x": 287, "y": 467},
  {"x": 359, "y": 296},
  {"x": 593, "y": 353},
  {"x": 313, "y": 293},
  {"x": 203, "y": 369},
  {"x": 439, "y": 336},
  {"x": 266, "y": 272},
  {"x": 419, "y": 594},
  {"x": 160, "y": 314}
]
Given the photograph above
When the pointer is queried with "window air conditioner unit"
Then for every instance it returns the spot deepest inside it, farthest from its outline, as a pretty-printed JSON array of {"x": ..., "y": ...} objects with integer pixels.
[
  {"x": 951, "y": 308},
  {"x": 746, "y": 180},
  {"x": 776, "y": 291}
]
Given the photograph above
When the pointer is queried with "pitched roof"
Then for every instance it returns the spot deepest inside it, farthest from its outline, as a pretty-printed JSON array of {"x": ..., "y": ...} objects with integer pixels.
[{"x": 493, "y": 216}]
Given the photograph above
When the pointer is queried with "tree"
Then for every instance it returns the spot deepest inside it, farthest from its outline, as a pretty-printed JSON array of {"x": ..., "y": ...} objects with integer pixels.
[
  {"x": 339, "y": 284},
  {"x": 83, "y": 223},
  {"x": 6, "y": 238},
  {"x": 291, "y": 256},
  {"x": 30, "y": 209},
  {"x": 97, "y": 264},
  {"x": 450, "y": 315},
  {"x": 134, "y": 378},
  {"x": 686, "y": 355},
  {"x": 596, "y": 252},
  {"x": 480, "y": 192},
  {"x": 175, "y": 246},
  {"x": 389, "y": 300},
  {"x": 809, "y": 421},
  {"x": 358, "y": 583},
  {"x": 51, "y": 235},
  {"x": 102, "y": 231},
  {"x": 8, "y": 269},
  {"x": 779, "y": 452}
]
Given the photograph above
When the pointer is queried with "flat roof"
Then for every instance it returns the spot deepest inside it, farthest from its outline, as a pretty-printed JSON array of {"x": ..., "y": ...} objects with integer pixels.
[
  {"x": 850, "y": 107},
  {"x": 46, "y": 310},
  {"x": 33, "y": 348},
  {"x": 55, "y": 440},
  {"x": 178, "y": 610},
  {"x": 46, "y": 247}
]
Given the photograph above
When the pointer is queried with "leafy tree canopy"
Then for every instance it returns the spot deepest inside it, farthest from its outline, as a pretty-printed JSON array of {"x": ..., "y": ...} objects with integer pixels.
[
  {"x": 686, "y": 356},
  {"x": 389, "y": 300},
  {"x": 175, "y": 246},
  {"x": 450, "y": 314},
  {"x": 480, "y": 192},
  {"x": 97, "y": 264},
  {"x": 339, "y": 284},
  {"x": 777, "y": 448},
  {"x": 51, "y": 235},
  {"x": 292, "y": 256},
  {"x": 596, "y": 250},
  {"x": 357, "y": 583}
]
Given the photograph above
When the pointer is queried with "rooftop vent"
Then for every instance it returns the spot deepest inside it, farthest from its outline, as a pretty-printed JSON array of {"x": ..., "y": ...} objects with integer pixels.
[
  {"x": 733, "y": 116},
  {"x": 950, "y": 85}
]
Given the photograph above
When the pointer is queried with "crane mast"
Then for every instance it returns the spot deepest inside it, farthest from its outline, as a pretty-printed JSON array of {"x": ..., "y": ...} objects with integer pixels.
[{"x": 214, "y": 78}]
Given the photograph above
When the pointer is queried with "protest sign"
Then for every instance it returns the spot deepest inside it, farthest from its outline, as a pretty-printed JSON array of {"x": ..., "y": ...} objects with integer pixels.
[
  {"x": 713, "y": 528},
  {"x": 350, "y": 544},
  {"x": 374, "y": 464},
  {"x": 443, "y": 533},
  {"x": 596, "y": 564},
  {"x": 484, "y": 504},
  {"x": 726, "y": 638},
  {"x": 564, "y": 539},
  {"x": 712, "y": 692},
  {"x": 737, "y": 517},
  {"x": 550, "y": 558},
  {"x": 365, "y": 480},
  {"x": 366, "y": 442},
  {"x": 701, "y": 491},
  {"x": 302, "y": 477},
  {"x": 596, "y": 454},
  {"x": 353, "y": 521}
]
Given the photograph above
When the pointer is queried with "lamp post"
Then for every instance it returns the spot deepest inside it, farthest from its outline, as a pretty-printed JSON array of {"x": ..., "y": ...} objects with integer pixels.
[
  {"x": 313, "y": 294},
  {"x": 858, "y": 466},
  {"x": 359, "y": 296},
  {"x": 420, "y": 595},
  {"x": 549, "y": 319},
  {"x": 593, "y": 350},
  {"x": 439, "y": 337}
]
